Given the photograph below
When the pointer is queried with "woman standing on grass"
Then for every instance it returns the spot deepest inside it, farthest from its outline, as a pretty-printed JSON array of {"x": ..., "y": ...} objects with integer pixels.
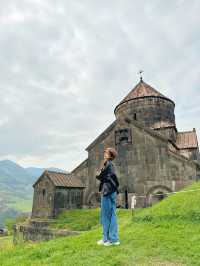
[{"x": 109, "y": 189}]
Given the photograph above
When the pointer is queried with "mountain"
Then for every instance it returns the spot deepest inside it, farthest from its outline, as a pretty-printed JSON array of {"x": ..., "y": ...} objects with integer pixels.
[
  {"x": 36, "y": 172},
  {"x": 16, "y": 191},
  {"x": 12, "y": 173}
]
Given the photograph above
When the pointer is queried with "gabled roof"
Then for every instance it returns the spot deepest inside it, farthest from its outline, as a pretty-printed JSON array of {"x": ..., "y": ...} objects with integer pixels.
[
  {"x": 102, "y": 135},
  {"x": 142, "y": 90},
  {"x": 82, "y": 164},
  {"x": 62, "y": 179},
  {"x": 138, "y": 124},
  {"x": 187, "y": 139}
]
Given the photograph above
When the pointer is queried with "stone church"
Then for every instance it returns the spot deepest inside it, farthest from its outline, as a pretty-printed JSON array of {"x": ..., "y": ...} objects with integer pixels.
[{"x": 153, "y": 157}]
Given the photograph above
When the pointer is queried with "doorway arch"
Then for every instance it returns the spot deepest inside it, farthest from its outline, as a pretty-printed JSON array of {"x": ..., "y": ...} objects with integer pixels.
[{"x": 156, "y": 194}]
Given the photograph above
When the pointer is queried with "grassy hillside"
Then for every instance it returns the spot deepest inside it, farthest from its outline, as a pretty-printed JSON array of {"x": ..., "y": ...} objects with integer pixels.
[
  {"x": 165, "y": 234},
  {"x": 182, "y": 207},
  {"x": 16, "y": 191},
  {"x": 78, "y": 220}
]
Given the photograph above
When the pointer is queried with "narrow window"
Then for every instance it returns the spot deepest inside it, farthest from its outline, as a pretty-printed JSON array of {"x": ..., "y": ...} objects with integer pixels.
[
  {"x": 44, "y": 192},
  {"x": 72, "y": 196},
  {"x": 135, "y": 116},
  {"x": 126, "y": 198}
]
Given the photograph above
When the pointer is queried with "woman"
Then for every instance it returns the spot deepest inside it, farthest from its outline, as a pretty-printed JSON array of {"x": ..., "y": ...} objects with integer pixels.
[{"x": 109, "y": 188}]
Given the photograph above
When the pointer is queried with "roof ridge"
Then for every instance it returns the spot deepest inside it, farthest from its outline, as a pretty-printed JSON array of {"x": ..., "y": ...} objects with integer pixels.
[
  {"x": 61, "y": 179},
  {"x": 79, "y": 165},
  {"x": 101, "y": 135},
  {"x": 182, "y": 132},
  {"x": 51, "y": 171}
]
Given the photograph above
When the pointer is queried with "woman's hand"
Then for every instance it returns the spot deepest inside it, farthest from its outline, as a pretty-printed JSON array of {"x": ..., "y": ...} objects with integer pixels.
[{"x": 98, "y": 172}]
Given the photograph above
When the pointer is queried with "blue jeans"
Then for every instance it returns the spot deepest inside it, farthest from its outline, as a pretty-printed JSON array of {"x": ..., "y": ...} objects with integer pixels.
[{"x": 108, "y": 217}]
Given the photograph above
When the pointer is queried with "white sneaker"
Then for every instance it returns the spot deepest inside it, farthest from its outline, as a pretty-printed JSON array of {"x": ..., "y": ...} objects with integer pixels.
[
  {"x": 108, "y": 243},
  {"x": 116, "y": 243},
  {"x": 112, "y": 243},
  {"x": 101, "y": 242}
]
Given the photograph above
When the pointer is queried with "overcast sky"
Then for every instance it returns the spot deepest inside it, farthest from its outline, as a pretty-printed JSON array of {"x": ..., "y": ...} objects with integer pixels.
[{"x": 66, "y": 64}]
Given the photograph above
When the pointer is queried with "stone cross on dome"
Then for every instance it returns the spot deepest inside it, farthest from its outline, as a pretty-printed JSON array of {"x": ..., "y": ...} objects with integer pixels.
[{"x": 140, "y": 73}]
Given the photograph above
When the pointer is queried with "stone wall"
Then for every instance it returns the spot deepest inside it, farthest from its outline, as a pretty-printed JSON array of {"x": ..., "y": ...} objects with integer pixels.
[
  {"x": 95, "y": 159},
  {"x": 150, "y": 111},
  {"x": 38, "y": 231},
  {"x": 43, "y": 198},
  {"x": 144, "y": 166},
  {"x": 81, "y": 172},
  {"x": 70, "y": 198},
  {"x": 191, "y": 153},
  {"x": 169, "y": 133}
]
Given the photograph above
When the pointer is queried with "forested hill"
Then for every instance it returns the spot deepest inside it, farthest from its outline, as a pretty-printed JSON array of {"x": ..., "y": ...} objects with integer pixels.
[{"x": 16, "y": 188}]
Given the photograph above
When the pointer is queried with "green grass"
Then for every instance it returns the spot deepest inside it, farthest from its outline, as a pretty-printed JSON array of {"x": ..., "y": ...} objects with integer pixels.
[
  {"x": 183, "y": 207},
  {"x": 166, "y": 234},
  {"x": 79, "y": 219},
  {"x": 6, "y": 243}
]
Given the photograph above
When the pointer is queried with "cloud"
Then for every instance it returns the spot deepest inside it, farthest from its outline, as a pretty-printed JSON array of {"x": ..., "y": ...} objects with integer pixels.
[{"x": 65, "y": 65}]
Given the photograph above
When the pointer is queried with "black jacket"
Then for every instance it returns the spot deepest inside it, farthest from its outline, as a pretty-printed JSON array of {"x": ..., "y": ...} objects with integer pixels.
[{"x": 108, "y": 179}]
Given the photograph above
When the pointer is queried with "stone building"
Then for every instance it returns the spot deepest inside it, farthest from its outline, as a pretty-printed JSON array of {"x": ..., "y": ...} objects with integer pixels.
[
  {"x": 153, "y": 158},
  {"x": 54, "y": 192}
]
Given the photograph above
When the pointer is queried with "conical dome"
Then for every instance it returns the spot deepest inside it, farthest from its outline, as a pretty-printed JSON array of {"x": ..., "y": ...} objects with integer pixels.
[
  {"x": 141, "y": 90},
  {"x": 147, "y": 105}
]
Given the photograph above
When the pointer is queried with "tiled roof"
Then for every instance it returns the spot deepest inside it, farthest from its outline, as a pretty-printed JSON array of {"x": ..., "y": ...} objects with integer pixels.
[
  {"x": 62, "y": 179},
  {"x": 187, "y": 139},
  {"x": 142, "y": 89}
]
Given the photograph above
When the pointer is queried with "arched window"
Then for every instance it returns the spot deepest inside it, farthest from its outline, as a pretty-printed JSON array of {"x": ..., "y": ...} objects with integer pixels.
[{"x": 156, "y": 194}]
